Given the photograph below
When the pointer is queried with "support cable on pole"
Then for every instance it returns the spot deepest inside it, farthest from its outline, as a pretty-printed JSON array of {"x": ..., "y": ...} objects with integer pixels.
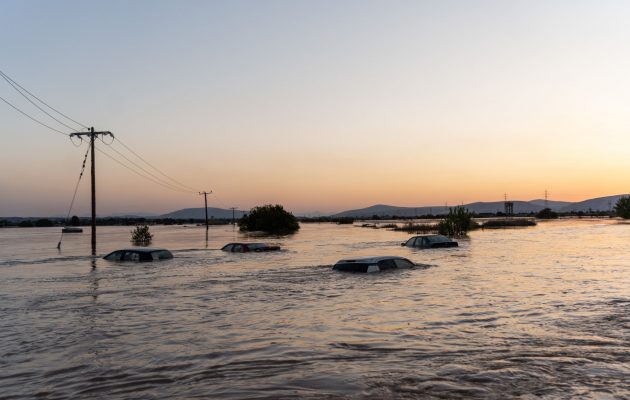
[{"x": 74, "y": 195}]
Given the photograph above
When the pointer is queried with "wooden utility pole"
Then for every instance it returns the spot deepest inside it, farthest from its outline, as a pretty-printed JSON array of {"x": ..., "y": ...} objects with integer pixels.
[
  {"x": 92, "y": 136},
  {"x": 233, "y": 219},
  {"x": 205, "y": 196}
]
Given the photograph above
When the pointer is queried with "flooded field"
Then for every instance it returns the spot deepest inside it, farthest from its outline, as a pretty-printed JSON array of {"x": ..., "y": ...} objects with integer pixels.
[{"x": 540, "y": 312}]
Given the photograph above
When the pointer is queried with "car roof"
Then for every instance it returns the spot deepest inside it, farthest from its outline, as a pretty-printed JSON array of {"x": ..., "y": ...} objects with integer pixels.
[
  {"x": 430, "y": 235},
  {"x": 142, "y": 249},
  {"x": 371, "y": 259}
]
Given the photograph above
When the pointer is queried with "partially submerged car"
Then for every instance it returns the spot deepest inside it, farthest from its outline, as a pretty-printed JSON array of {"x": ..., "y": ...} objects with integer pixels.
[
  {"x": 247, "y": 247},
  {"x": 139, "y": 254},
  {"x": 373, "y": 264},
  {"x": 429, "y": 242}
]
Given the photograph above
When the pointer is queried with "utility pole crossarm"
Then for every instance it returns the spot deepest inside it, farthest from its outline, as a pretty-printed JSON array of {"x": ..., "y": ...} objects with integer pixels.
[{"x": 91, "y": 133}]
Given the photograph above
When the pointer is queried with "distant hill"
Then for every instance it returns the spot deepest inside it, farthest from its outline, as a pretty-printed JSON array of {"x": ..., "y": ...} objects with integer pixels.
[
  {"x": 526, "y": 207},
  {"x": 597, "y": 204},
  {"x": 200, "y": 213},
  {"x": 478, "y": 207},
  {"x": 553, "y": 204},
  {"x": 382, "y": 210}
]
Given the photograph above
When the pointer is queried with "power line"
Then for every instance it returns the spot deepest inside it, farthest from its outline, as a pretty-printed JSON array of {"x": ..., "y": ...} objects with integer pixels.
[
  {"x": 176, "y": 185},
  {"x": 155, "y": 168},
  {"x": 8, "y": 78},
  {"x": 138, "y": 173},
  {"x": 34, "y": 119},
  {"x": 32, "y": 102},
  {"x": 165, "y": 183}
]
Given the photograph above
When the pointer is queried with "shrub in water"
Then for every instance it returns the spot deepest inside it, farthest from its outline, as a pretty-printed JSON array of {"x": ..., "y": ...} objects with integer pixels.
[
  {"x": 547, "y": 213},
  {"x": 269, "y": 219},
  {"x": 457, "y": 223},
  {"x": 141, "y": 235},
  {"x": 622, "y": 208}
]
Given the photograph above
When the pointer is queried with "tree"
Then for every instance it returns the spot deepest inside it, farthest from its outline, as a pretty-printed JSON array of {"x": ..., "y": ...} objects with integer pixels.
[
  {"x": 546, "y": 213},
  {"x": 141, "y": 235},
  {"x": 270, "y": 219},
  {"x": 75, "y": 221},
  {"x": 622, "y": 208},
  {"x": 43, "y": 223},
  {"x": 457, "y": 223}
]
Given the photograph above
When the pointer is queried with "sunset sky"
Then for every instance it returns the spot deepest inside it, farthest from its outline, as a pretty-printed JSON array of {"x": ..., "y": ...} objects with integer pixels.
[{"x": 316, "y": 105}]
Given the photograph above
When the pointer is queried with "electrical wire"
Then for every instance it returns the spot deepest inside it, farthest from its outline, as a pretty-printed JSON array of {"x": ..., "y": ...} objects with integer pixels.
[
  {"x": 8, "y": 78},
  {"x": 33, "y": 103},
  {"x": 138, "y": 173},
  {"x": 157, "y": 178},
  {"x": 74, "y": 195},
  {"x": 34, "y": 119},
  {"x": 155, "y": 168}
]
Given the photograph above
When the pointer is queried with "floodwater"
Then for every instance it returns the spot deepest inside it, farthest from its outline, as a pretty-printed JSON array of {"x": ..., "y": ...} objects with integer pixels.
[{"x": 540, "y": 312}]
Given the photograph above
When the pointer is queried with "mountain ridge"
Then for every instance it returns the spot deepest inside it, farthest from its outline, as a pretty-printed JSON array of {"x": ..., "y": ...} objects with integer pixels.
[{"x": 520, "y": 206}]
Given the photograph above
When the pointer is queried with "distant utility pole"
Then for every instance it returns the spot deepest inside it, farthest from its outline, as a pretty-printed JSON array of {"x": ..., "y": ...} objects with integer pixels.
[
  {"x": 546, "y": 194},
  {"x": 93, "y": 135},
  {"x": 233, "y": 219},
  {"x": 205, "y": 196}
]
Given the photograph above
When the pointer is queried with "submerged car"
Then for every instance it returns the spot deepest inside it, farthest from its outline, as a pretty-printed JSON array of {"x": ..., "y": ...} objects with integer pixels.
[
  {"x": 373, "y": 264},
  {"x": 247, "y": 247},
  {"x": 430, "y": 242},
  {"x": 139, "y": 254}
]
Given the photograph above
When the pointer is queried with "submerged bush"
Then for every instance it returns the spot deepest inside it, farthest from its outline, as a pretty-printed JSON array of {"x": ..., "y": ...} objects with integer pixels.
[
  {"x": 547, "y": 213},
  {"x": 270, "y": 219},
  {"x": 141, "y": 235},
  {"x": 410, "y": 227},
  {"x": 622, "y": 208},
  {"x": 457, "y": 223},
  {"x": 508, "y": 223}
]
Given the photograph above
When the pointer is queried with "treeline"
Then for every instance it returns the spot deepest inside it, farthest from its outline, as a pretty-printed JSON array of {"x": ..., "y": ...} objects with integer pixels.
[{"x": 108, "y": 221}]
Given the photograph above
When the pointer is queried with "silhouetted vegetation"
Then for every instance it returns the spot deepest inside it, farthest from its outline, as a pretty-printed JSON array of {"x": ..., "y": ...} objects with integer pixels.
[
  {"x": 345, "y": 220},
  {"x": 75, "y": 221},
  {"x": 410, "y": 227},
  {"x": 389, "y": 226},
  {"x": 457, "y": 223},
  {"x": 622, "y": 208},
  {"x": 141, "y": 235},
  {"x": 547, "y": 213},
  {"x": 43, "y": 223},
  {"x": 270, "y": 219},
  {"x": 508, "y": 223},
  {"x": 26, "y": 224}
]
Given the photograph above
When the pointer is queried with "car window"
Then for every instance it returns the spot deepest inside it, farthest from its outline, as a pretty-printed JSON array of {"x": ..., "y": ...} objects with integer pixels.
[
  {"x": 410, "y": 242},
  {"x": 403, "y": 263},
  {"x": 115, "y": 256},
  {"x": 386, "y": 264},
  {"x": 131, "y": 256},
  {"x": 227, "y": 247},
  {"x": 237, "y": 247},
  {"x": 425, "y": 241}
]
